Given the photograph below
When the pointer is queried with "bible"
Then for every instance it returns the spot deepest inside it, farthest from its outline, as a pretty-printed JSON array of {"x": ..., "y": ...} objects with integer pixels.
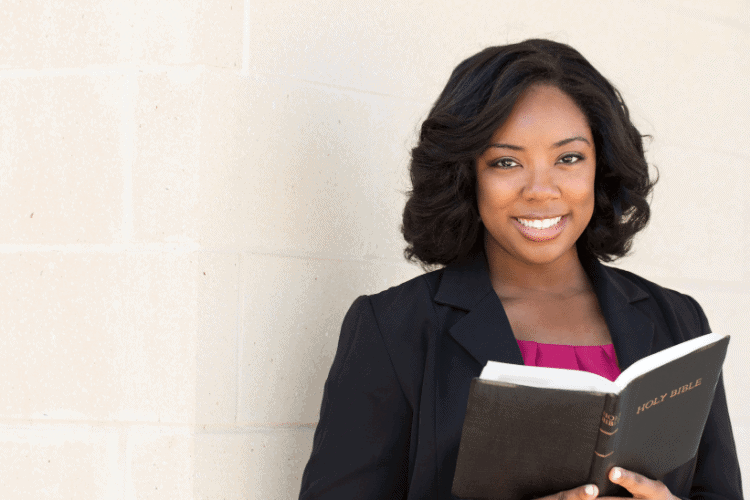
[{"x": 532, "y": 431}]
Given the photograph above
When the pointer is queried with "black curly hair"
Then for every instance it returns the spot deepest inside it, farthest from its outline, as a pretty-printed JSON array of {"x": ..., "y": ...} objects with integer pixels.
[{"x": 441, "y": 222}]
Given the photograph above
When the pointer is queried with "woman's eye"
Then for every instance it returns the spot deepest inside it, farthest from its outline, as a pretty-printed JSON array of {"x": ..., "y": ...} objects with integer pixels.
[
  {"x": 570, "y": 159},
  {"x": 506, "y": 163}
]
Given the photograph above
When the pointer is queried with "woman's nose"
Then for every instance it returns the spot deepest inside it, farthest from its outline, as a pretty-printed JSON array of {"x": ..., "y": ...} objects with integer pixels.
[{"x": 540, "y": 184}]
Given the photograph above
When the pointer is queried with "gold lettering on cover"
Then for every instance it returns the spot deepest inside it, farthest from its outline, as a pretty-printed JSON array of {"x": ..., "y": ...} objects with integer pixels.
[
  {"x": 652, "y": 402},
  {"x": 685, "y": 388},
  {"x": 610, "y": 420}
]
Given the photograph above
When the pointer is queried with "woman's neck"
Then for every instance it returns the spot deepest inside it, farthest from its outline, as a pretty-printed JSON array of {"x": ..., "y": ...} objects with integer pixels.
[{"x": 513, "y": 278}]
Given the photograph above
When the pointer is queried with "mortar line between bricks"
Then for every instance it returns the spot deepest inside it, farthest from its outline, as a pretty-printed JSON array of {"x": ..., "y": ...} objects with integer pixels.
[
  {"x": 60, "y": 424},
  {"x": 129, "y": 154},
  {"x": 240, "y": 340},
  {"x": 103, "y": 70},
  {"x": 246, "y": 39}
]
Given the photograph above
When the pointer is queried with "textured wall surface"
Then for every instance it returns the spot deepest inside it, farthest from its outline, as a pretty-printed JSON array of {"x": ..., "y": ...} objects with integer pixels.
[{"x": 192, "y": 193}]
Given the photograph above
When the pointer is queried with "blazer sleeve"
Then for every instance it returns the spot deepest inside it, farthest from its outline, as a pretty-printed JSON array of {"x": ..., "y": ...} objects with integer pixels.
[
  {"x": 361, "y": 444},
  {"x": 717, "y": 470}
]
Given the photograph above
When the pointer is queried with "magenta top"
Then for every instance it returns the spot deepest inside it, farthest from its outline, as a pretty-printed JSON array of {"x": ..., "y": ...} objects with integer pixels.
[{"x": 599, "y": 359}]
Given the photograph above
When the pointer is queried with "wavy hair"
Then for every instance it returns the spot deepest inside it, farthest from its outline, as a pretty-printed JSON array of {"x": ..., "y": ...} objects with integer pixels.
[{"x": 441, "y": 222}]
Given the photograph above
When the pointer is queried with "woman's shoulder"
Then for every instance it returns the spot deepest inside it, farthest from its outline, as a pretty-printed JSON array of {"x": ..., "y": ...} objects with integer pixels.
[
  {"x": 417, "y": 290},
  {"x": 674, "y": 305},
  {"x": 405, "y": 315},
  {"x": 403, "y": 321},
  {"x": 404, "y": 308}
]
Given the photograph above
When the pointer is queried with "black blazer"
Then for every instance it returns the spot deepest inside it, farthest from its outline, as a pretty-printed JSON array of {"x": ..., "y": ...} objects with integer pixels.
[{"x": 394, "y": 401}]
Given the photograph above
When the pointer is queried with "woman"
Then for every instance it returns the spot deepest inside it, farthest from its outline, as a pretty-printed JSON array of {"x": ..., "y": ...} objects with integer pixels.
[{"x": 527, "y": 174}]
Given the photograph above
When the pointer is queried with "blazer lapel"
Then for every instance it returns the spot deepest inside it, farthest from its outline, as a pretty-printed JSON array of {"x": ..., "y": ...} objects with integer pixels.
[
  {"x": 632, "y": 331},
  {"x": 484, "y": 331}
]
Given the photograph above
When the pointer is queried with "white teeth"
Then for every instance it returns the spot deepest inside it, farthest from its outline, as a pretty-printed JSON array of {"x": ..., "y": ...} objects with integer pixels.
[{"x": 540, "y": 224}]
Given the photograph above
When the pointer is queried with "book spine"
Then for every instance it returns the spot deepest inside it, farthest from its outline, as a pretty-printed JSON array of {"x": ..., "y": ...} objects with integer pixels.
[{"x": 606, "y": 446}]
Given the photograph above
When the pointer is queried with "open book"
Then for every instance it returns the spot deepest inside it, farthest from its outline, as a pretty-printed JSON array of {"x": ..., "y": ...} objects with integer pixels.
[{"x": 531, "y": 431}]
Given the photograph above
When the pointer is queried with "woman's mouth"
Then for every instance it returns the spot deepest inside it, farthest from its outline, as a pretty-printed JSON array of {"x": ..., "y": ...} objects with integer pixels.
[{"x": 541, "y": 229}]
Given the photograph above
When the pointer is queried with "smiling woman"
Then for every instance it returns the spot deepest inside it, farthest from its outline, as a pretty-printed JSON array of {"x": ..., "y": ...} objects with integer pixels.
[
  {"x": 528, "y": 173},
  {"x": 535, "y": 181}
]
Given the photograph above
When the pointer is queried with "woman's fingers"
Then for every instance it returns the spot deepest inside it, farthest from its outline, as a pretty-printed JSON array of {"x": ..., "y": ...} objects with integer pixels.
[
  {"x": 639, "y": 486},
  {"x": 590, "y": 491},
  {"x": 587, "y": 492}
]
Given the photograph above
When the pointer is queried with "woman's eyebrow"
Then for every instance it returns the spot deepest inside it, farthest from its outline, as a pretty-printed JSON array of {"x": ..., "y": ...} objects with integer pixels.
[
  {"x": 506, "y": 146},
  {"x": 571, "y": 139},
  {"x": 555, "y": 145}
]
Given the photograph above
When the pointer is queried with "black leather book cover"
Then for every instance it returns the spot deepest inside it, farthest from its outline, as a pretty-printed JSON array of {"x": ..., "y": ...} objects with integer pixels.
[
  {"x": 524, "y": 442},
  {"x": 521, "y": 442}
]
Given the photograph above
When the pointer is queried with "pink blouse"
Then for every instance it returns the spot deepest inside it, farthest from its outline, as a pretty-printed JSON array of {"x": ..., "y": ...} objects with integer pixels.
[{"x": 599, "y": 359}]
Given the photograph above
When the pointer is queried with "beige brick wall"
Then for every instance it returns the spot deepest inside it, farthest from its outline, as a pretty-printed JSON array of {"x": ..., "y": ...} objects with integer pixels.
[{"x": 193, "y": 192}]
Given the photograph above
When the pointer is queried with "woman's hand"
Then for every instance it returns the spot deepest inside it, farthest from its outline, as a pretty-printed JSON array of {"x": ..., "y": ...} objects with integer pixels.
[
  {"x": 587, "y": 492},
  {"x": 639, "y": 486}
]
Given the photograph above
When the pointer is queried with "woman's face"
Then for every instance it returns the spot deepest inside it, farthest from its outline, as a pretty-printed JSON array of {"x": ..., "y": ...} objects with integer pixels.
[{"x": 535, "y": 181}]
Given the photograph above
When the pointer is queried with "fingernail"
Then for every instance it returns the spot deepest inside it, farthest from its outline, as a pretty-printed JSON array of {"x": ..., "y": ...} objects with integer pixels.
[
  {"x": 590, "y": 490},
  {"x": 616, "y": 474}
]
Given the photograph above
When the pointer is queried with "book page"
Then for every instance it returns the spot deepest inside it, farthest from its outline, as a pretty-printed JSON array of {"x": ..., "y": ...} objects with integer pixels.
[
  {"x": 660, "y": 358},
  {"x": 552, "y": 378},
  {"x": 576, "y": 380}
]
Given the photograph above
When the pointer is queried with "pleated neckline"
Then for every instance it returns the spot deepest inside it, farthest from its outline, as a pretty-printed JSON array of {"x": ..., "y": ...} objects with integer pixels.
[{"x": 599, "y": 359}]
